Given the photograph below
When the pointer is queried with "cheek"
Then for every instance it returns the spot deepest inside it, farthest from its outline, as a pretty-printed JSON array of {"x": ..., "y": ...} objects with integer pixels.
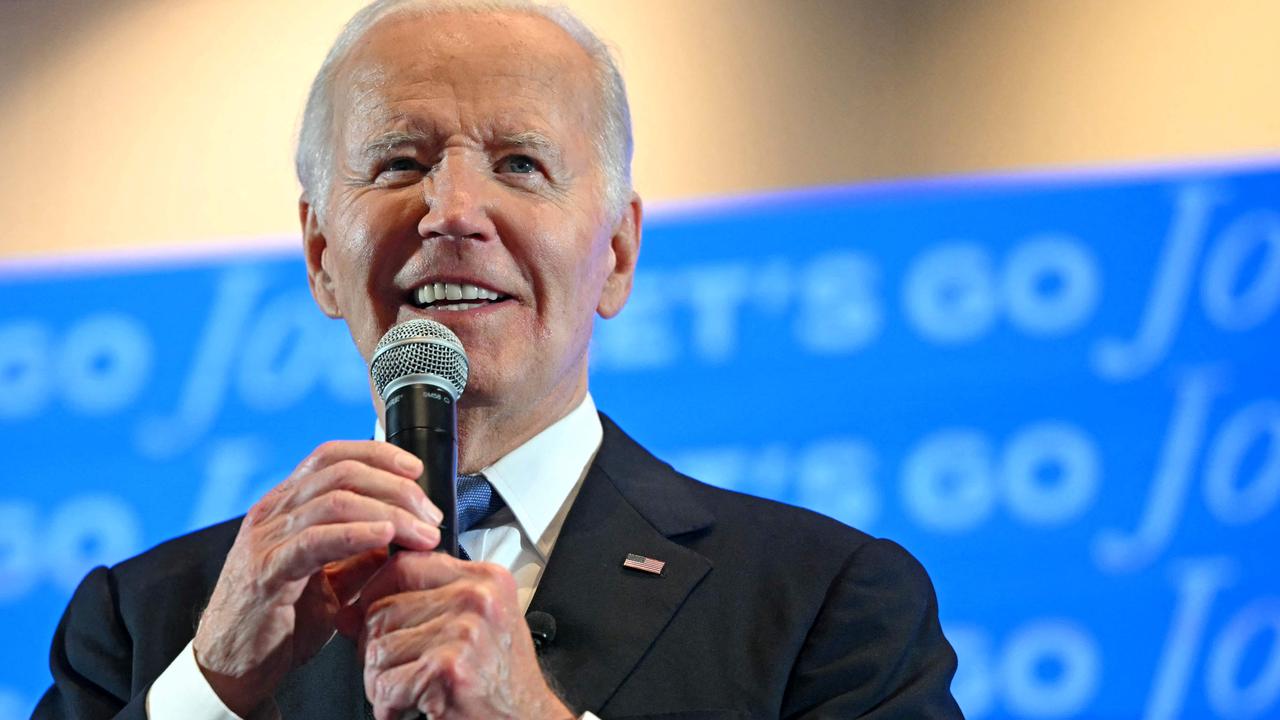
[
  {"x": 376, "y": 239},
  {"x": 578, "y": 279},
  {"x": 364, "y": 271},
  {"x": 351, "y": 273}
]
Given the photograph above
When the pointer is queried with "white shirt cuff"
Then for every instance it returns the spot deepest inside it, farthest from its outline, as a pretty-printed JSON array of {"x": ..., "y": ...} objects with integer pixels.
[{"x": 182, "y": 693}]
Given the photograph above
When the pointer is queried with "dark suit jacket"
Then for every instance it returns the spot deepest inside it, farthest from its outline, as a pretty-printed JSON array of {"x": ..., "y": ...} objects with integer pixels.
[{"x": 763, "y": 610}]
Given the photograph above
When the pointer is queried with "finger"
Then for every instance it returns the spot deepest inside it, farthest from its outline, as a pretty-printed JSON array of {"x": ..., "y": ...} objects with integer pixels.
[
  {"x": 433, "y": 698},
  {"x": 462, "y": 598},
  {"x": 378, "y": 653},
  {"x": 404, "y": 610},
  {"x": 405, "y": 692},
  {"x": 421, "y": 683},
  {"x": 376, "y": 469},
  {"x": 348, "y": 575},
  {"x": 349, "y": 622},
  {"x": 381, "y": 455},
  {"x": 392, "y": 691},
  {"x": 367, "y": 480},
  {"x": 410, "y": 571},
  {"x": 404, "y": 645},
  {"x": 307, "y": 552},
  {"x": 346, "y": 506}
]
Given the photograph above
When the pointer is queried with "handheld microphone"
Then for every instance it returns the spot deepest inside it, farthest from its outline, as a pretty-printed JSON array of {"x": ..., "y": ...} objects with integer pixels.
[{"x": 420, "y": 370}]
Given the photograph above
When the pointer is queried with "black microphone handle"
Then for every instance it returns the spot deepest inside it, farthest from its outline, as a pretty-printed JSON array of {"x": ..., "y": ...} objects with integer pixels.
[{"x": 423, "y": 420}]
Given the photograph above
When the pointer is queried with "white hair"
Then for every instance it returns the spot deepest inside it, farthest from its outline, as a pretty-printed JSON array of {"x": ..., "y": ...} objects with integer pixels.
[{"x": 613, "y": 144}]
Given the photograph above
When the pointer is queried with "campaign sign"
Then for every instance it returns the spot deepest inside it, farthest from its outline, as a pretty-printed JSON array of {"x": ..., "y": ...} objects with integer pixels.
[{"x": 1061, "y": 393}]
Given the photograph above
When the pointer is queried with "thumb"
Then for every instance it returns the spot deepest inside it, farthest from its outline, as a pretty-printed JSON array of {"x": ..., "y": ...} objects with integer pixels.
[{"x": 347, "y": 577}]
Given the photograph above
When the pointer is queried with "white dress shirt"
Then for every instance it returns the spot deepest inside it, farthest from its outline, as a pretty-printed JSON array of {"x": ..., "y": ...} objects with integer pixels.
[{"x": 538, "y": 480}]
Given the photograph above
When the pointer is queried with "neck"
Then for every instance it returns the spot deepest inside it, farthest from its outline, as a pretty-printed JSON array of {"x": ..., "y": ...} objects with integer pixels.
[{"x": 487, "y": 432}]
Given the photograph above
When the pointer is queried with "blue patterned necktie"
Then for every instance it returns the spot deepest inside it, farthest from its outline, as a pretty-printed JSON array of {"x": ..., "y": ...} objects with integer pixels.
[{"x": 476, "y": 501}]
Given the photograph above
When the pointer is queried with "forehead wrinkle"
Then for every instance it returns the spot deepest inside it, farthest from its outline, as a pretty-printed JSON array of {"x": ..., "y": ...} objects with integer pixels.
[
  {"x": 362, "y": 84},
  {"x": 438, "y": 89}
]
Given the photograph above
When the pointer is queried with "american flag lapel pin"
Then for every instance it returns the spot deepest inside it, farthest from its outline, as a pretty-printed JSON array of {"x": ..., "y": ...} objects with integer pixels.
[{"x": 644, "y": 564}]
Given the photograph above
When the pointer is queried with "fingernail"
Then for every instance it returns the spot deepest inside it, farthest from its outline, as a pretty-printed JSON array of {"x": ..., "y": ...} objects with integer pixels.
[
  {"x": 431, "y": 511},
  {"x": 408, "y": 463},
  {"x": 428, "y": 533}
]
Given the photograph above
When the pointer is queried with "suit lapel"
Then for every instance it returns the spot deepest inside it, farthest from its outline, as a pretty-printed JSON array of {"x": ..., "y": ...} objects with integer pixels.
[{"x": 607, "y": 616}]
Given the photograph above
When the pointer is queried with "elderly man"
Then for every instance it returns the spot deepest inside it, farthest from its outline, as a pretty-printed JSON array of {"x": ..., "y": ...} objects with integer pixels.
[{"x": 469, "y": 162}]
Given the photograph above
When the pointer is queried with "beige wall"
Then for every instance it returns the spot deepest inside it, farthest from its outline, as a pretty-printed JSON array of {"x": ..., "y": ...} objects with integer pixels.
[{"x": 137, "y": 123}]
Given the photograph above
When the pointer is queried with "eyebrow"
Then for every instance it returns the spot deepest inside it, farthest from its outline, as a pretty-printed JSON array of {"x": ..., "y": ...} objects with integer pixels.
[
  {"x": 533, "y": 141},
  {"x": 397, "y": 138},
  {"x": 529, "y": 139},
  {"x": 386, "y": 142}
]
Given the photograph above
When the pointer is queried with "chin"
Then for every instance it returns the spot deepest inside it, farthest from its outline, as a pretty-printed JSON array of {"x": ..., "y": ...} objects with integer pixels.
[{"x": 482, "y": 391}]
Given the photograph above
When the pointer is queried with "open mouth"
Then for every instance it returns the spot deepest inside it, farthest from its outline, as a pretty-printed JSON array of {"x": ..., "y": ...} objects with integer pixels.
[{"x": 455, "y": 296}]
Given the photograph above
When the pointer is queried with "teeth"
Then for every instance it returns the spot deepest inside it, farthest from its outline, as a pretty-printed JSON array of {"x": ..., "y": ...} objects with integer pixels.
[{"x": 434, "y": 292}]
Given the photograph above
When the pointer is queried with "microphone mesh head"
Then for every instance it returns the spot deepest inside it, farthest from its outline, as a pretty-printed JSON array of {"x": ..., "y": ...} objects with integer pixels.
[{"x": 419, "y": 347}]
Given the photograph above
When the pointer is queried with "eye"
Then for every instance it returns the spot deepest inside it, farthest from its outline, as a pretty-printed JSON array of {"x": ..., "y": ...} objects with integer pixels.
[
  {"x": 519, "y": 164},
  {"x": 402, "y": 164}
]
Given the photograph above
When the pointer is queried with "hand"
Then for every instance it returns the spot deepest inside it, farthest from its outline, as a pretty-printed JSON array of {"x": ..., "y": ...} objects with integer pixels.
[
  {"x": 446, "y": 637},
  {"x": 303, "y": 552}
]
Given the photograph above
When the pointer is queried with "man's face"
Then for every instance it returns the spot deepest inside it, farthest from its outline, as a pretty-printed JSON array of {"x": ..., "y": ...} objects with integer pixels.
[{"x": 463, "y": 159}]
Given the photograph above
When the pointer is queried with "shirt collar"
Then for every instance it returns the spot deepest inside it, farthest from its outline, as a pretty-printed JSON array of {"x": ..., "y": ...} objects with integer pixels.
[{"x": 539, "y": 478}]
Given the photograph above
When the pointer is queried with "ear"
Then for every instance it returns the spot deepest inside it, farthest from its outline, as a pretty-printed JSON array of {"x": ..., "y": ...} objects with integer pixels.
[
  {"x": 624, "y": 251},
  {"x": 315, "y": 247}
]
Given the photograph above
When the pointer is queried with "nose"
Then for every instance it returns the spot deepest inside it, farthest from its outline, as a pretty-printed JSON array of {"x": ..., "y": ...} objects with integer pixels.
[{"x": 457, "y": 203}]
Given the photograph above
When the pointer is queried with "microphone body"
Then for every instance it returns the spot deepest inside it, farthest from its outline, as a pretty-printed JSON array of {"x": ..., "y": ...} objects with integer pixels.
[
  {"x": 422, "y": 418},
  {"x": 420, "y": 370}
]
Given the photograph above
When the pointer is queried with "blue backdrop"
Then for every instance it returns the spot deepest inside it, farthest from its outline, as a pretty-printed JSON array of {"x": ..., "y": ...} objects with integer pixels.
[{"x": 1060, "y": 392}]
